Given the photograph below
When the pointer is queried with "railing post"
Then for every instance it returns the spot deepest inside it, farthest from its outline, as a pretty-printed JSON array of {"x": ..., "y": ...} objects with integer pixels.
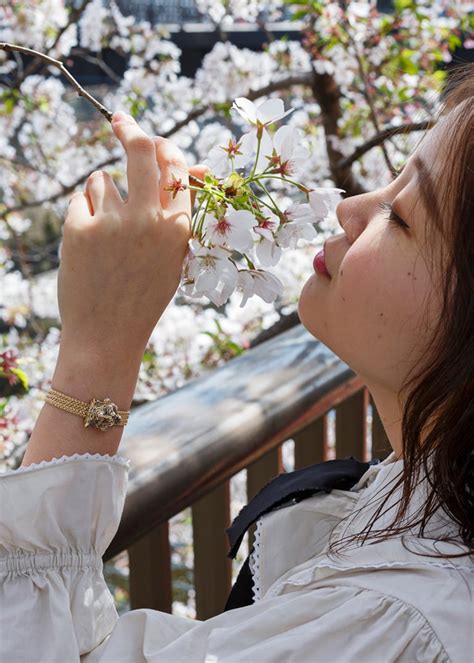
[
  {"x": 150, "y": 571},
  {"x": 381, "y": 446},
  {"x": 260, "y": 473},
  {"x": 351, "y": 426},
  {"x": 212, "y": 567},
  {"x": 311, "y": 444}
]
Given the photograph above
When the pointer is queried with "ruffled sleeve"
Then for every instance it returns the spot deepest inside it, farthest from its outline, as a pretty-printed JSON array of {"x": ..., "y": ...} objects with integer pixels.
[{"x": 57, "y": 520}]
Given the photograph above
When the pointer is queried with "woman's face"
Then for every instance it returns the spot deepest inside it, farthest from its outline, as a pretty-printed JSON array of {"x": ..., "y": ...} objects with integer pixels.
[{"x": 377, "y": 310}]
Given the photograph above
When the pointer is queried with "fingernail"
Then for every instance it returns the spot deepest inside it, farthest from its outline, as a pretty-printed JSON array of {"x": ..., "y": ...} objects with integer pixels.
[{"x": 120, "y": 116}]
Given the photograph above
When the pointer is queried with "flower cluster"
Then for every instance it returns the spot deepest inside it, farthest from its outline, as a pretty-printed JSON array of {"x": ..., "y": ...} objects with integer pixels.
[{"x": 237, "y": 218}]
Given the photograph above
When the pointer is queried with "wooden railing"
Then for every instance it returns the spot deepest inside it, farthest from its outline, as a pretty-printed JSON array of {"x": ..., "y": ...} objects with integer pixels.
[{"x": 185, "y": 447}]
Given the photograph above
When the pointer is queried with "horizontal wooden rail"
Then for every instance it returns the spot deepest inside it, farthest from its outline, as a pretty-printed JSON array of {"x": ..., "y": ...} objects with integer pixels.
[{"x": 186, "y": 444}]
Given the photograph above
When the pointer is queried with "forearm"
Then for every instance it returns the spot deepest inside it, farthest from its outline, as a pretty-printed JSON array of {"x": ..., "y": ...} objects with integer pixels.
[{"x": 83, "y": 375}]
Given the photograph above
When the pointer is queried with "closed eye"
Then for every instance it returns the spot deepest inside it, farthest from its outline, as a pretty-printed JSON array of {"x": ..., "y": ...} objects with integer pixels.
[{"x": 393, "y": 216}]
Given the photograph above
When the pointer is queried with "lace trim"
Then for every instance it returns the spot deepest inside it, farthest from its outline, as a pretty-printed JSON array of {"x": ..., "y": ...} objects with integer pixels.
[
  {"x": 117, "y": 459},
  {"x": 254, "y": 563}
]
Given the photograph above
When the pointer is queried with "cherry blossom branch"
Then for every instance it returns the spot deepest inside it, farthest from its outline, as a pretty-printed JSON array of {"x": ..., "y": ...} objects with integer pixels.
[
  {"x": 57, "y": 63},
  {"x": 74, "y": 15},
  {"x": 383, "y": 135},
  {"x": 368, "y": 98},
  {"x": 283, "y": 84},
  {"x": 304, "y": 79},
  {"x": 59, "y": 194},
  {"x": 327, "y": 94}
]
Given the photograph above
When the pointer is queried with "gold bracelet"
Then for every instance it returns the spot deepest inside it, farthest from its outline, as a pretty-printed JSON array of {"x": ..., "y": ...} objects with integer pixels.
[{"x": 101, "y": 414}]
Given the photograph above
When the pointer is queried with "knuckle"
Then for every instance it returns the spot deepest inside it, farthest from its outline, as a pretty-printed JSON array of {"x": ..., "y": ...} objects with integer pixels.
[
  {"x": 177, "y": 163},
  {"x": 141, "y": 143}
]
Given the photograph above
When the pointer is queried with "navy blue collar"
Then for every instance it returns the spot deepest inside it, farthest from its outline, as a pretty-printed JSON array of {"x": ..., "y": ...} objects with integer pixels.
[{"x": 298, "y": 485}]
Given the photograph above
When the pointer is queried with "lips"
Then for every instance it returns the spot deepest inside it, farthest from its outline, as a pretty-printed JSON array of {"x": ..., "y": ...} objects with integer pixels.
[{"x": 319, "y": 263}]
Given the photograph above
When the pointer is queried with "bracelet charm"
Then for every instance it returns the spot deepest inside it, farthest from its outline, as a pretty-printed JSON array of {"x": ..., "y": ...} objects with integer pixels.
[{"x": 102, "y": 414}]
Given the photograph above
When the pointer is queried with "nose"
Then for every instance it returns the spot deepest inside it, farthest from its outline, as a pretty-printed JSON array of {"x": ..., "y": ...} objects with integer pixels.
[
  {"x": 353, "y": 214},
  {"x": 339, "y": 213}
]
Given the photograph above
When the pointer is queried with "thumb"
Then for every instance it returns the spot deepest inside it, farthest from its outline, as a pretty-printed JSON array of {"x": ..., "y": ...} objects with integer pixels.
[{"x": 199, "y": 170}]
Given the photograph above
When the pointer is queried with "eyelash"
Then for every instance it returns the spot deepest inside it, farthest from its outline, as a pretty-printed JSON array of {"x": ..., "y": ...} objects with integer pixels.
[{"x": 392, "y": 216}]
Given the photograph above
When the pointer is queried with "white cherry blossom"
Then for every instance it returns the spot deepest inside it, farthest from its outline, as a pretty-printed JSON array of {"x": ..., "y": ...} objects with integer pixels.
[
  {"x": 259, "y": 282},
  {"x": 266, "y": 250},
  {"x": 324, "y": 200},
  {"x": 299, "y": 226},
  {"x": 232, "y": 228},
  {"x": 290, "y": 155},
  {"x": 231, "y": 153},
  {"x": 264, "y": 113}
]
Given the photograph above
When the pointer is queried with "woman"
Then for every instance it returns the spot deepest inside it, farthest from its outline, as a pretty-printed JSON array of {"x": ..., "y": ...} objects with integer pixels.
[{"x": 397, "y": 308}]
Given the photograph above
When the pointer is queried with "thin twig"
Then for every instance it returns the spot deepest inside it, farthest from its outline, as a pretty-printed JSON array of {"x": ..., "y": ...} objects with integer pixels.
[
  {"x": 284, "y": 83},
  {"x": 382, "y": 136},
  {"x": 57, "y": 63},
  {"x": 74, "y": 16},
  {"x": 368, "y": 98}
]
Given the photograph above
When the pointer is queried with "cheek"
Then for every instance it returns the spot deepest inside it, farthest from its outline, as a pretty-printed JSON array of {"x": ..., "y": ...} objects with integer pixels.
[
  {"x": 379, "y": 299},
  {"x": 371, "y": 314},
  {"x": 376, "y": 291}
]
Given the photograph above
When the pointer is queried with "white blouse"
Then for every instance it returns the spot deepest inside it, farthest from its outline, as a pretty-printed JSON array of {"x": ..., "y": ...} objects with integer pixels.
[{"x": 377, "y": 604}]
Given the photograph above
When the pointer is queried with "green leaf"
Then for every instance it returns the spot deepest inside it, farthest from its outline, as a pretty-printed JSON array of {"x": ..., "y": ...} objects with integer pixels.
[
  {"x": 405, "y": 62},
  {"x": 299, "y": 15},
  {"x": 223, "y": 107},
  {"x": 400, "y": 5},
  {"x": 439, "y": 75},
  {"x": 454, "y": 41},
  {"x": 22, "y": 377}
]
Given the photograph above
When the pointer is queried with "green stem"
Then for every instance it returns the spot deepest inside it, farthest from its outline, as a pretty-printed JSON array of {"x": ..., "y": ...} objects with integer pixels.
[
  {"x": 250, "y": 178},
  {"x": 202, "y": 218},
  {"x": 249, "y": 262},
  {"x": 196, "y": 216},
  {"x": 283, "y": 179},
  {"x": 259, "y": 140},
  {"x": 262, "y": 202},
  {"x": 262, "y": 186}
]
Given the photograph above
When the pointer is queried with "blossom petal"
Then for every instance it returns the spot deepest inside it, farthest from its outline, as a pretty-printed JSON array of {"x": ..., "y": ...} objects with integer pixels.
[
  {"x": 246, "y": 109},
  {"x": 268, "y": 253},
  {"x": 271, "y": 110}
]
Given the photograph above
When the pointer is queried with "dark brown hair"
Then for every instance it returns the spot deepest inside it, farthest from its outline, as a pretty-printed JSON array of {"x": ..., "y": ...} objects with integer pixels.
[{"x": 438, "y": 410}]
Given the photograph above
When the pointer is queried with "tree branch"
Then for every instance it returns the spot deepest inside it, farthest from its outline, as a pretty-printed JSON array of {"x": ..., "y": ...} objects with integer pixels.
[
  {"x": 383, "y": 135},
  {"x": 368, "y": 98},
  {"x": 327, "y": 94},
  {"x": 197, "y": 112},
  {"x": 74, "y": 16},
  {"x": 59, "y": 194},
  {"x": 57, "y": 63}
]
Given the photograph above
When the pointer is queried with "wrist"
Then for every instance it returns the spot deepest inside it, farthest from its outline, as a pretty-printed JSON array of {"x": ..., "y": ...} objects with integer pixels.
[{"x": 90, "y": 374}]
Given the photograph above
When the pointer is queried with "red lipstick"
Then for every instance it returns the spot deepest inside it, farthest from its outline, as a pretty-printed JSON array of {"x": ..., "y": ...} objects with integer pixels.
[{"x": 319, "y": 264}]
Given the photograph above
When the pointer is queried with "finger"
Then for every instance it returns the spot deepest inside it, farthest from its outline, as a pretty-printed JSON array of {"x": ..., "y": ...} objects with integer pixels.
[
  {"x": 142, "y": 174},
  {"x": 199, "y": 170},
  {"x": 95, "y": 190},
  {"x": 102, "y": 192},
  {"x": 173, "y": 175},
  {"x": 78, "y": 209}
]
